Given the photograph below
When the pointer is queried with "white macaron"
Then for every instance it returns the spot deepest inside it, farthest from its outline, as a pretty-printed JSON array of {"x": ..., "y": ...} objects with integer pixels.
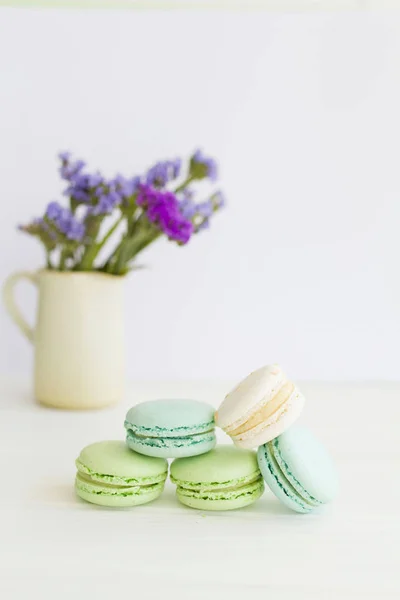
[{"x": 260, "y": 408}]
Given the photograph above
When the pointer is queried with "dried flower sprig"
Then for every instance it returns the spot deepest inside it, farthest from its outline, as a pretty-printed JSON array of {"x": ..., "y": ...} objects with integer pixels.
[{"x": 143, "y": 210}]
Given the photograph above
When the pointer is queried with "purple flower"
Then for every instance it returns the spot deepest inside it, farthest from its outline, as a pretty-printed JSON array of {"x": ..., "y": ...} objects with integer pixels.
[
  {"x": 200, "y": 214},
  {"x": 78, "y": 192},
  {"x": 64, "y": 156},
  {"x": 176, "y": 167},
  {"x": 205, "y": 209},
  {"x": 163, "y": 172},
  {"x": 65, "y": 222},
  {"x": 218, "y": 199},
  {"x": 82, "y": 186},
  {"x": 202, "y": 166},
  {"x": 163, "y": 210},
  {"x": 205, "y": 224},
  {"x": 54, "y": 211},
  {"x": 94, "y": 180},
  {"x": 106, "y": 203},
  {"x": 187, "y": 208},
  {"x": 127, "y": 187},
  {"x": 69, "y": 170},
  {"x": 75, "y": 230}
]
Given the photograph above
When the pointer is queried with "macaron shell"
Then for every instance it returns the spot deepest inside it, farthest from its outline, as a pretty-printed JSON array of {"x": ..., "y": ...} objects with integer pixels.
[
  {"x": 170, "y": 418},
  {"x": 172, "y": 447},
  {"x": 113, "y": 462},
  {"x": 257, "y": 388},
  {"x": 223, "y": 464},
  {"x": 306, "y": 464},
  {"x": 274, "y": 427},
  {"x": 277, "y": 483}
]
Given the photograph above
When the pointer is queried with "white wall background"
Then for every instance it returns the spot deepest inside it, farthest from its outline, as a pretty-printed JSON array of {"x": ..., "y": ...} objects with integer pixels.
[{"x": 302, "y": 112}]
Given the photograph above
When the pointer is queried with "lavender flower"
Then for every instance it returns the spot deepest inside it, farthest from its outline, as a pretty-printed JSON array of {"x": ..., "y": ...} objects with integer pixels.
[
  {"x": 163, "y": 172},
  {"x": 205, "y": 209},
  {"x": 79, "y": 183},
  {"x": 65, "y": 222},
  {"x": 188, "y": 207},
  {"x": 218, "y": 200},
  {"x": 81, "y": 187},
  {"x": 204, "y": 224},
  {"x": 176, "y": 167},
  {"x": 94, "y": 180},
  {"x": 107, "y": 201},
  {"x": 200, "y": 214},
  {"x": 74, "y": 230},
  {"x": 202, "y": 166},
  {"x": 69, "y": 170},
  {"x": 54, "y": 211},
  {"x": 162, "y": 209},
  {"x": 127, "y": 187}
]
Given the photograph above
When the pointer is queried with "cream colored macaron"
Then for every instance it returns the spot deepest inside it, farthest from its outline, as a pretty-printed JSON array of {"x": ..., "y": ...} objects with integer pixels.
[{"x": 260, "y": 407}]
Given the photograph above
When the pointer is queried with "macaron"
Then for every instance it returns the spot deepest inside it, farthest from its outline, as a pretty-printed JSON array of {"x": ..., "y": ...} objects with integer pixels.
[
  {"x": 223, "y": 479},
  {"x": 260, "y": 408},
  {"x": 171, "y": 428},
  {"x": 110, "y": 474},
  {"x": 298, "y": 470}
]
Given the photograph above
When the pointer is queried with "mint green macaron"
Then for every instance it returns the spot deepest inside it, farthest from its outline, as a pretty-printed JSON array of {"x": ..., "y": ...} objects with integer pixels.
[
  {"x": 109, "y": 474},
  {"x": 170, "y": 428},
  {"x": 223, "y": 479},
  {"x": 298, "y": 470}
]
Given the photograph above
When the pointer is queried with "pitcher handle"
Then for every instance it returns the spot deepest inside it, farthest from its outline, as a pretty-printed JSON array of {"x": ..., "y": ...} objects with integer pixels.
[{"x": 11, "y": 304}]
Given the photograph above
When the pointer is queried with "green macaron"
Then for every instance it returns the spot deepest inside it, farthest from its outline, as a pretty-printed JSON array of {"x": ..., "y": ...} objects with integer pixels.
[
  {"x": 110, "y": 474},
  {"x": 223, "y": 479}
]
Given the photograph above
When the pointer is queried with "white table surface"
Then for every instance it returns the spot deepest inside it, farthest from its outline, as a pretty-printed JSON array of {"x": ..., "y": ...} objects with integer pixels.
[{"x": 53, "y": 545}]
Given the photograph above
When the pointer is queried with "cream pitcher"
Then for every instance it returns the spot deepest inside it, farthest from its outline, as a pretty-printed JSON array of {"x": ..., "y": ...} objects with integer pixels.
[{"x": 78, "y": 337}]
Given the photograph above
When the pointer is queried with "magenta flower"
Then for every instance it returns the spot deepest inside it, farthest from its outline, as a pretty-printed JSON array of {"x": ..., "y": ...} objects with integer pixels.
[{"x": 162, "y": 209}]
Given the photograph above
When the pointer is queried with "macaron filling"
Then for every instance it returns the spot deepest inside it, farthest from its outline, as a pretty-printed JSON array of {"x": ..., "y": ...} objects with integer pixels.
[
  {"x": 255, "y": 488},
  {"x": 91, "y": 486},
  {"x": 168, "y": 442},
  {"x": 212, "y": 485},
  {"x": 117, "y": 480},
  {"x": 165, "y": 432},
  {"x": 225, "y": 490}
]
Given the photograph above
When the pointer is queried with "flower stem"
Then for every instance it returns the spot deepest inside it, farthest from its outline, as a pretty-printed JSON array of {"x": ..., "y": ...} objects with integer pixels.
[
  {"x": 184, "y": 184},
  {"x": 130, "y": 247},
  {"x": 110, "y": 232},
  {"x": 92, "y": 251},
  {"x": 63, "y": 258}
]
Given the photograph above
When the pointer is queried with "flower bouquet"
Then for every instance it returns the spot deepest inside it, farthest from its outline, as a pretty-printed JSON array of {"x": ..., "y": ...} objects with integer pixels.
[
  {"x": 80, "y": 329},
  {"x": 140, "y": 209}
]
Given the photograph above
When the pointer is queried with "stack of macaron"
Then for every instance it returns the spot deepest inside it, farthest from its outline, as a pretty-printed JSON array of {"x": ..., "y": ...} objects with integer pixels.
[{"x": 259, "y": 413}]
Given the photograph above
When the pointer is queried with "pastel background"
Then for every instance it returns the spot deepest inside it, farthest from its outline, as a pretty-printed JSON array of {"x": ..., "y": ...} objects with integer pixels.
[{"x": 302, "y": 111}]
